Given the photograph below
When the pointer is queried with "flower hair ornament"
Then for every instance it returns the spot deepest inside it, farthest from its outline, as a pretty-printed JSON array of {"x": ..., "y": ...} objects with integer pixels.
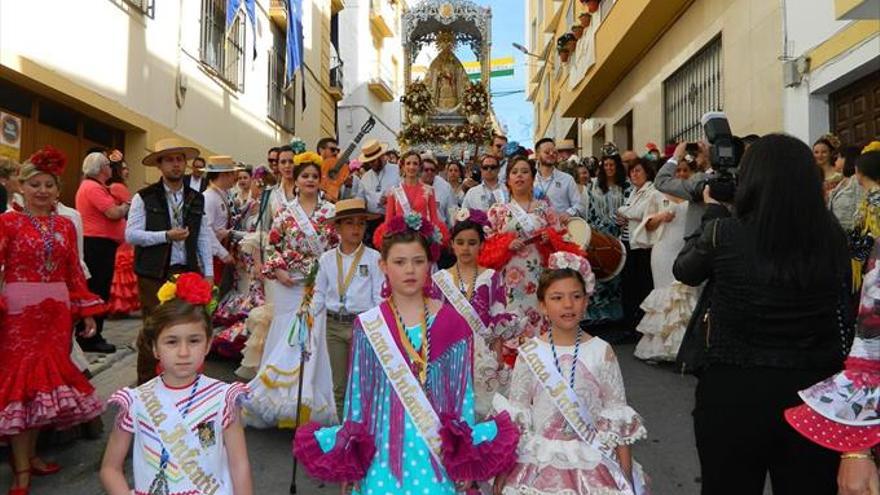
[
  {"x": 414, "y": 222},
  {"x": 48, "y": 160},
  {"x": 191, "y": 288},
  {"x": 479, "y": 217},
  {"x": 564, "y": 260},
  {"x": 298, "y": 145},
  {"x": 308, "y": 157}
]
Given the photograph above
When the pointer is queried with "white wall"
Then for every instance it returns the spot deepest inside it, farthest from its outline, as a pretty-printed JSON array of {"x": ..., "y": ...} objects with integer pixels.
[
  {"x": 807, "y": 24},
  {"x": 359, "y": 55},
  {"x": 107, "y": 55}
]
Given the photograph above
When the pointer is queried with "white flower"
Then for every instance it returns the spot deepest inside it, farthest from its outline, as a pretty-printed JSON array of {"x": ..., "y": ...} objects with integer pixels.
[{"x": 462, "y": 215}]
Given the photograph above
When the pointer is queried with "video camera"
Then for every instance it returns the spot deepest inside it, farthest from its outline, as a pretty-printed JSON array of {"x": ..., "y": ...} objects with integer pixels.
[{"x": 725, "y": 152}]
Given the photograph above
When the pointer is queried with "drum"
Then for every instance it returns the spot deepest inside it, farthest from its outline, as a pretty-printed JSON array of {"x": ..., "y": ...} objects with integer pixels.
[
  {"x": 606, "y": 255},
  {"x": 578, "y": 232}
]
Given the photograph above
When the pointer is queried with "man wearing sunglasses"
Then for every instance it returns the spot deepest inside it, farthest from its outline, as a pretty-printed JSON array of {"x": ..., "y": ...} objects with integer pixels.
[
  {"x": 556, "y": 186},
  {"x": 272, "y": 161},
  {"x": 442, "y": 189},
  {"x": 499, "y": 142},
  {"x": 328, "y": 148},
  {"x": 490, "y": 190}
]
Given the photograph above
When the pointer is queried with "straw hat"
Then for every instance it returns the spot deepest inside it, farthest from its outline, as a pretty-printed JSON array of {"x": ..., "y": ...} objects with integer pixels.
[
  {"x": 221, "y": 163},
  {"x": 372, "y": 150},
  {"x": 169, "y": 146},
  {"x": 566, "y": 145},
  {"x": 355, "y": 207}
]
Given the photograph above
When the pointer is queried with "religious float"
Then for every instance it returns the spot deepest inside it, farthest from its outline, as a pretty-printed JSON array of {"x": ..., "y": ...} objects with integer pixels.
[{"x": 445, "y": 111}]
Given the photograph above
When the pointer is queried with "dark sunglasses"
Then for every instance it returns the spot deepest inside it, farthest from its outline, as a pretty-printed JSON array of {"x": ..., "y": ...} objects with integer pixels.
[
  {"x": 429, "y": 170},
  {"x": 490, "y": 167},
  {"x": 334, "y": 150},
  {"x": 272, "y": 160}
]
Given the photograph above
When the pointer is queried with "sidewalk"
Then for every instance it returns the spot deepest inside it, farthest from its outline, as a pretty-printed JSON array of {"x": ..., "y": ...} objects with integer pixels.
[{"x": 122, "y": 333}]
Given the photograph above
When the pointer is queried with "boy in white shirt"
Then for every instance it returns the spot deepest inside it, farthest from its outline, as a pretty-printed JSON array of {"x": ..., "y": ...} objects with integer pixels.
[{"x": 348, "y": 282}]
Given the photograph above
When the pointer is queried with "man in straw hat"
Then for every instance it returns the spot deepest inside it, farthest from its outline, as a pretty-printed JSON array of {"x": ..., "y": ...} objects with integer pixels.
[
  {"x": 221, "y": 175},
  {"x": 566, "y": 149},
  {"x": 349, "y": 282},
  {"x": 379, "y": 180},
  {"x": 170, "y": 233}
]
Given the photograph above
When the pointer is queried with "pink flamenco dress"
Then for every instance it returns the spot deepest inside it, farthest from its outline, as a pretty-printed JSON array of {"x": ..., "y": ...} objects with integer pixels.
[
  {"x": 842, "y": 412},
  {"x": 124, "y": 298},
  {"x": 44, "y": 291},
  {"x": 422, "y": 200}
]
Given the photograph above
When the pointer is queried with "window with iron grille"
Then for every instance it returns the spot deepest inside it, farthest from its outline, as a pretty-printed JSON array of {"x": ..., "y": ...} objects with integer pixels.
[
  {"x": 148, "y": 7},
  {"x": 221, "y": 50},
  {"x": 281, "y": 105},
  {"x": 694, "y": 89}
]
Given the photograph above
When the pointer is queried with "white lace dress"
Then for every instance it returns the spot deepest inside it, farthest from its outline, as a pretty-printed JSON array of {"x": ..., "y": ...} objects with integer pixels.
[
  {"x": 552, "y": 458},
  {"x": 669, "y": 306}
]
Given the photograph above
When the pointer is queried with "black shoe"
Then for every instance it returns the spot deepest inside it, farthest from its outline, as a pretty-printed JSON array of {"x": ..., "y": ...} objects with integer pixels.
[{"x": 95, "y": 345}]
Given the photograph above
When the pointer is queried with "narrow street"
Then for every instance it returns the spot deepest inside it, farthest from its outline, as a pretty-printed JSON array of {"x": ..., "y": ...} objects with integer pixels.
[{"x": 662, "y": 396}]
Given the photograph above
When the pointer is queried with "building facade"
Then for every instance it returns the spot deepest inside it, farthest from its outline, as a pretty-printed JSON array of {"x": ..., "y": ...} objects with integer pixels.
[
  {"x": 646, "y": 70},
  {"x": 125, "y": 73},
  {"x": 372, "y": 55},
  {"x": 832, "y": 69}
]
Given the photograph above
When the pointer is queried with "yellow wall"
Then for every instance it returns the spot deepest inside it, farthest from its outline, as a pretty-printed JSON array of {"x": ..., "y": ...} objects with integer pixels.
[{"x": 751, "y": 32}]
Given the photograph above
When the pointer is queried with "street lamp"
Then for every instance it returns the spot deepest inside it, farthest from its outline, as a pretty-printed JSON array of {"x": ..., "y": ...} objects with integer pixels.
[{"x": 526, "y": 51}]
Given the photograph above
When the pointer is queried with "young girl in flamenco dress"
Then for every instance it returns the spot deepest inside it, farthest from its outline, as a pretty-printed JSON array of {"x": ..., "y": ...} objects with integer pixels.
[
  {"x": 584, "y": 450},
  {"x": 409, "y": 409},
  {"x": 186, "y": 427},
  {"x": 478, "y": 294}
]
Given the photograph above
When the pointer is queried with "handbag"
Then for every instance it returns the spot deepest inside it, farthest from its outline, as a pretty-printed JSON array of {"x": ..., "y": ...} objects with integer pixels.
[{"x": 691, "y": 356}]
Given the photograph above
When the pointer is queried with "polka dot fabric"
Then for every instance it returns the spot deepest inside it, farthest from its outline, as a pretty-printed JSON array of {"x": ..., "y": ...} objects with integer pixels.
[{"x": 831, "y": 434}]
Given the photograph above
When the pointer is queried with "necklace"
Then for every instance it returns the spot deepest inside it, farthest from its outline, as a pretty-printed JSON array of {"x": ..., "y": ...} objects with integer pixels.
[
  {"x": 577, "y": 346},
  {"x": 418, "y": 360},
  {"x": 46, "y": 235},
  {"x": 462, "y": 287},
  {"x": 192, "y": 397}
]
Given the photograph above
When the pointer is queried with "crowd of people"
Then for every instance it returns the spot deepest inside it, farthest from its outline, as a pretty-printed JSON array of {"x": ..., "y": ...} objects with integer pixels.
[{"x": 432, "y": 326}]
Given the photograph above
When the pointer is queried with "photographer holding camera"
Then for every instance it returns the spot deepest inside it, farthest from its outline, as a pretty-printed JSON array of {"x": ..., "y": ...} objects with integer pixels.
[
  {"x": 688, "y": 189},
  {"x": 778, "y": 319}
]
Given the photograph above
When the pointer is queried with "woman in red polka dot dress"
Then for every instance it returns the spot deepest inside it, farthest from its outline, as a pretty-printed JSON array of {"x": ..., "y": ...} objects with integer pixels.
[{"x": 842, "y": 413}]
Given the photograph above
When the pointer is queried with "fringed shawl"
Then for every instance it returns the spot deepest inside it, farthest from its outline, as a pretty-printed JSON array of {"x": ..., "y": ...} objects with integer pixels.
[{"x": 449, "y": 372}]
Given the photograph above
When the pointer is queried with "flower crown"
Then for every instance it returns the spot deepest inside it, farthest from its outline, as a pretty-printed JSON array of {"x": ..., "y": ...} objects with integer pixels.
[
  {"x": 563, "y": 260},
  {"x": 48, "y": 160},
  {"x": 477, "y": 216},
  {"x": 308, "y": 157},
  {"x": 413, "y": 222},
  {"x": 191, "y": 288}
]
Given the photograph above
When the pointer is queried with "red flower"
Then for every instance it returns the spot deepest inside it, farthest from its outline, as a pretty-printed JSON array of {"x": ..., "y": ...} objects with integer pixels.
[
  {"x": 49, "y": 160},
  {"x": 274, "y": 236},
  {"x": 194, "y": 289}
]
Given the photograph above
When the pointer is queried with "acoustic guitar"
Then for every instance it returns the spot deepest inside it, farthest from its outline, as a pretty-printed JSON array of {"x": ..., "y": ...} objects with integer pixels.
[{"x": 335, "y": 171}]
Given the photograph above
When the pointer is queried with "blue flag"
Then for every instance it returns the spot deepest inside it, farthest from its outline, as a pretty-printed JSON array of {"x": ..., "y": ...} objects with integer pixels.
[
  {"x": 232, "y": 8},
  {"x": 295, "y": 44}
]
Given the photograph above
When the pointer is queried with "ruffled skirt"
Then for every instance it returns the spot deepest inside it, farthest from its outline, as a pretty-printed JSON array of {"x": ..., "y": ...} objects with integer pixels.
[
  {"x": 667, "y": 313},
  {"x": 39, "y": 384},
  {"x": 124, "y": 297}
]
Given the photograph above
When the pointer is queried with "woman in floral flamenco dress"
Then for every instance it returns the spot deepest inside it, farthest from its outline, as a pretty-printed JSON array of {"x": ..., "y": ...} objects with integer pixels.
[
  {"x": 124, "y": 298},
  {"x": 301, "y": 232},
  {"x": 409, "y": 423},
  {"x": 412, "y": 196},
  {"x": 44, "y": 291}
]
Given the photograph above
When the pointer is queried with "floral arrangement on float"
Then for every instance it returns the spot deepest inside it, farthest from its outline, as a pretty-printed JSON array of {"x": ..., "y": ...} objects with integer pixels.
[
  {"x": 475, "y": 102},
  {"x": 565, "y": 45},
  {"x": 417, "y": 101},
  {"x": 418, "y": 133}
]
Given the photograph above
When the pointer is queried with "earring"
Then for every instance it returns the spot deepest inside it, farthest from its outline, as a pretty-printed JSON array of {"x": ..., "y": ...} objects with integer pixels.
[
  {"x": 159, "y": 369},
  {"x": 386, "y": 288}
]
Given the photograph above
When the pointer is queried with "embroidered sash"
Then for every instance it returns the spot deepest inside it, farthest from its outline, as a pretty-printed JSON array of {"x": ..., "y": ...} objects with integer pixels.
[
  {"x": 408, "y": 389},
  {"x": 461, "y": 304},
  {"x": 402, "y": 200},
  {"x": 178, "y": 440},
  {"x": 305, "y": 224},
  {"x": 522, "y": 218},
  {"x": 572, "y": 409}
]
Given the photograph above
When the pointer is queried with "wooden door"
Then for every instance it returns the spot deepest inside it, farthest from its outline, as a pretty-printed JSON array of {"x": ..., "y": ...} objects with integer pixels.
[{"x": 855, "y": 111}]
